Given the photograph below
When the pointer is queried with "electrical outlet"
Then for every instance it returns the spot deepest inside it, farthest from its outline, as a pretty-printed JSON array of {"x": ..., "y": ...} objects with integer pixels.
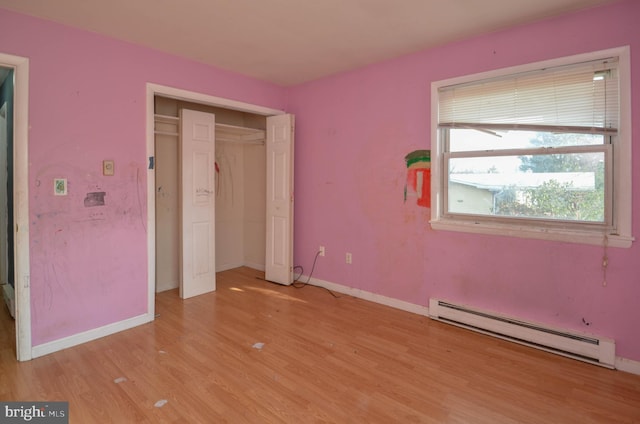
[
  {"x": 348, "y": 258},
  {"x": 321, "y": 250}
]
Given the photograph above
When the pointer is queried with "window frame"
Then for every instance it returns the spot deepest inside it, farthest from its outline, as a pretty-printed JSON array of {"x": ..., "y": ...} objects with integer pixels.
[{"x": 617, "y": 235}]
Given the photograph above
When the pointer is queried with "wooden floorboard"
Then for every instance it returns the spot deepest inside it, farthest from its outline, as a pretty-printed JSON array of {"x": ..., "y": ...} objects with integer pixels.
[{"x": 323, "y": 360}]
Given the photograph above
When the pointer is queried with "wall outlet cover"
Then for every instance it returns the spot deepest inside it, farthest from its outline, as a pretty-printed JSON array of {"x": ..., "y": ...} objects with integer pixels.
[{"x": 60, "y": 186}]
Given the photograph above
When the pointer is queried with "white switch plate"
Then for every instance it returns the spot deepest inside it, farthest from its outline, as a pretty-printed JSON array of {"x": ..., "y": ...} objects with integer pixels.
[{"x": 108, "y": 167}]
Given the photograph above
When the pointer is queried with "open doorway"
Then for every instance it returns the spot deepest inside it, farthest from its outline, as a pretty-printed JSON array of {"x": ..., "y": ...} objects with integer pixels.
[
  {"x": 7, "y": 277},
  {"x": 14, "y": 202}
]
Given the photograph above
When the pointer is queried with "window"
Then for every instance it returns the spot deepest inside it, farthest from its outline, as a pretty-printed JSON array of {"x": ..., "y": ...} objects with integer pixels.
[{"x": 540, "y": 151}]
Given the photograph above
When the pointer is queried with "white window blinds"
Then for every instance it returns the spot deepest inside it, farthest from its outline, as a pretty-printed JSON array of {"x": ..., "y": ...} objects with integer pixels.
[{"x": 576, "y": 98}]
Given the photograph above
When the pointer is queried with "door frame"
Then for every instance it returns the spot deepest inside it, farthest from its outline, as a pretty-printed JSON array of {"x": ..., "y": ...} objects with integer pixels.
[
  {"x": 20, "y": 211},
  {"x": 188, "y": 96}
]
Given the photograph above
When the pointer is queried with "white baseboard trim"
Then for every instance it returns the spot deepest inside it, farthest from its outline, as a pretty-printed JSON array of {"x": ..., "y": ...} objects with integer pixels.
[
  {"x": 621, "y": 364},
  {"x": 254, "y": 265},
  {"x": 226, "y": 267},
  {"x": 628, "y": 365},
  {"x": 87, "y": 336},
  {"x": 365, "y": 295}
]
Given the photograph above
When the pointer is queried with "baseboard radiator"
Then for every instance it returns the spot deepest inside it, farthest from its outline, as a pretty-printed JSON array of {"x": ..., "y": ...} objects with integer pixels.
[{"x": 587, "y": 348}]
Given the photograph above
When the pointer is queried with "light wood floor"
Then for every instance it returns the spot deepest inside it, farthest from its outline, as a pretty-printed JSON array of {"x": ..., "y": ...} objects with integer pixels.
[{"x": 324, "y": 360}]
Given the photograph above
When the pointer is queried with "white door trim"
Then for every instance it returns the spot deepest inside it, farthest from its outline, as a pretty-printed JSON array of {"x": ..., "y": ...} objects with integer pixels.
[
  {"x": 189, "y": 96},
  {"x": 21, "y": 201}
]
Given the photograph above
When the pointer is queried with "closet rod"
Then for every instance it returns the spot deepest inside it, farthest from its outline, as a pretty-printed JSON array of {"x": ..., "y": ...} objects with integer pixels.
[
  {"x": 166, "y": 133},
  {"x": 235, "y": 141},
  {"x": 167, "y": 117}
]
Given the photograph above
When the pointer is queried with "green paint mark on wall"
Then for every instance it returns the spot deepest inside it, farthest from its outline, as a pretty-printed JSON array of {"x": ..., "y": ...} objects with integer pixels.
[{"x": 418, "y": 156}]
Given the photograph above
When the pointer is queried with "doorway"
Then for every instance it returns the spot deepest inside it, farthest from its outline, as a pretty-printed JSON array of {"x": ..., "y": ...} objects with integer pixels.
[
  {"x": 163, "y": 105},
  {"x": 7, "y": 281},
  {"x": 14, "y": 201}
]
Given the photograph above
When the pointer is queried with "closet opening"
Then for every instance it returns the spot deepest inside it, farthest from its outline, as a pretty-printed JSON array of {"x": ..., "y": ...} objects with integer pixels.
[{"x": 239, "y": 189}]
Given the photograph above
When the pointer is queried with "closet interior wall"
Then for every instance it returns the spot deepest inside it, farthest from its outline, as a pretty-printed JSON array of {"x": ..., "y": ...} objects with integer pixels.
[{"x": 240, "y": 189}]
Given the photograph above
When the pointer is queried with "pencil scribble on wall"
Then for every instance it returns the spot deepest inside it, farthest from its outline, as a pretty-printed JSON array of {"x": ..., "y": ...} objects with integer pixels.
[{"x": 419, "y": 177}]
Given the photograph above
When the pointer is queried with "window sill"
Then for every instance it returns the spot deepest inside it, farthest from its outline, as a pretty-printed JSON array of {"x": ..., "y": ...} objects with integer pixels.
[{"x": 569, "y": 236}]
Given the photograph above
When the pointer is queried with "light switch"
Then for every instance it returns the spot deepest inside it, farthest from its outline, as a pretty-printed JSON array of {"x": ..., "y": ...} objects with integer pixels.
[{"x": 107, "y": 167}]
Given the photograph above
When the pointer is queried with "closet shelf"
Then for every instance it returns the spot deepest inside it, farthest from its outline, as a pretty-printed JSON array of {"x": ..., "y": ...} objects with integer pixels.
[
  {"x": 166, "y": 125},
  {"x": 234, "y": 133},
  {"x": 224, "y": 132}
]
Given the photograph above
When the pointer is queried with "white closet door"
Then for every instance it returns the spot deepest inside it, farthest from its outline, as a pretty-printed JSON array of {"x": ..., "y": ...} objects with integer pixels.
[
  {"x": 279, "y": 238},
  {"x": 197, "y": 159}
]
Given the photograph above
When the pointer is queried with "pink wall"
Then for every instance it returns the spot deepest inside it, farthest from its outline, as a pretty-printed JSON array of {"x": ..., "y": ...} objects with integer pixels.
[
  {"x": 88, "y": 103},
  {"x": 353, "y": 131}
]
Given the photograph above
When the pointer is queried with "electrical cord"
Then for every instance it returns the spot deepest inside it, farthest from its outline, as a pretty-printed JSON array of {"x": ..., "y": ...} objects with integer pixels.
[
  {"x": 301, "y": 284},
  {"x": 301, "y": 272},
  {"x": 313, "y": 267}
]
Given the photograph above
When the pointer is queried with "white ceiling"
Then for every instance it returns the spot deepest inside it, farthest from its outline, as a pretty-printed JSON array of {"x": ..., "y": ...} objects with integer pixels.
[{"x": 288, "y": 42}]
